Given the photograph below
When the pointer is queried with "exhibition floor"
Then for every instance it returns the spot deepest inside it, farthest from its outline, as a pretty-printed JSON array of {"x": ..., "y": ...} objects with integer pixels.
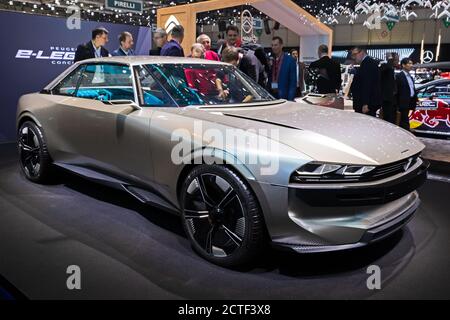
[{"x": 130, "y": 251}]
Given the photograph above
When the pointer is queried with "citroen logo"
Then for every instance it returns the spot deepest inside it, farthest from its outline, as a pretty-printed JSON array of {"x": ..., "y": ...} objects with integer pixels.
[
  {"x": 171, "y": 23},
  {"x": 247, "y": 22}
]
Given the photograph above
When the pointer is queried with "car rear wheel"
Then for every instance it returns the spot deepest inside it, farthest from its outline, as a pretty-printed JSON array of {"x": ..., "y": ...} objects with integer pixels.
[
  {"x": 221, "y": 216},
  {"x": 35, "y": 160}
]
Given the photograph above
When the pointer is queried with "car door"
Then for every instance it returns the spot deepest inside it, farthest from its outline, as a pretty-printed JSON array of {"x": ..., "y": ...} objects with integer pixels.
[{"x": 108, "y": 134}]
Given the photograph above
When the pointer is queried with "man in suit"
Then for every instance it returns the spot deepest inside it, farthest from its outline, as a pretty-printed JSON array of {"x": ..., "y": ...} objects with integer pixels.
[
  {"x": 283, "y": 76},
  {"x": 330, "y": 78},
  {"x": 126, "y": 45},
  {"x": 406, "y": 98},
  {"x": 300, "y": 72},
  {"x": 388, "y": 87},
  {"x": 366, "y": 88},
  {"x": 95, "y": 47},
  {"x": 258, "y": 58},
  {"x": 173, "y": 48},
  {"x": 160, "y": 39}
]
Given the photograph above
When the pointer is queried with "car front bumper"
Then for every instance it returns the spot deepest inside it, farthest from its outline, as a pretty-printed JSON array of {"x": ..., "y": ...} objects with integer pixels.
[
  {"x": 320, "y": 218},
  {"x": 369, "y": 236}
]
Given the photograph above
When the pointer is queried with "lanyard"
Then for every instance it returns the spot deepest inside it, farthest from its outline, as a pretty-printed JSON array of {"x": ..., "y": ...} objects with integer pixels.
[{"x": 277, "y": 68}]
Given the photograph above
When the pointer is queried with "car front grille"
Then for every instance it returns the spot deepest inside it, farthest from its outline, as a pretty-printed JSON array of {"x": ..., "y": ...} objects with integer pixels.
[{"x": 392, "y": 169}]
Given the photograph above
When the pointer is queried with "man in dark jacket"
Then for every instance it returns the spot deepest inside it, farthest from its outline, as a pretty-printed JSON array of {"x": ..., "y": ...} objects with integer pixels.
[
  {"x": 160, "y": 39},
  {"x": 173, "y": 48},
  {"x": 126, "y": 45},
  {"x": 330, "y": 78},
  {"x": 242, "y": 61},
  {"x": 95, "y": 47},
  {"x": 388, "y": 88},
  {"x": 406, "y": 98},
  {"x": 366, "y": 88}
]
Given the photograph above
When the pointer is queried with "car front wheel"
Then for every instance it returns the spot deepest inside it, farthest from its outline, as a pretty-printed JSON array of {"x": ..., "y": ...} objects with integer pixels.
[
  {"x": 35, "y": 160},
  {"x": 221, "y": 216}
]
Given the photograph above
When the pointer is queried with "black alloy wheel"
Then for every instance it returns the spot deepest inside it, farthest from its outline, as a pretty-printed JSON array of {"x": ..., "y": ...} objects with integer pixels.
[
  {"x": 35, "y": 160},
  {"x": 221, "y": 216}
]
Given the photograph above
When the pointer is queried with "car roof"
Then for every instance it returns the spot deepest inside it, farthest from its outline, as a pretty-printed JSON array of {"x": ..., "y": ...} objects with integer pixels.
[
  {"x": 134, "y": 61},
  {"x": 139, "y": 60},
  {"x": 434, "y": 83}
]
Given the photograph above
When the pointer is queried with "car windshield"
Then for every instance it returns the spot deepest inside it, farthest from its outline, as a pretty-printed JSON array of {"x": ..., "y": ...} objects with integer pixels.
[{"x": 206, "y": 84}]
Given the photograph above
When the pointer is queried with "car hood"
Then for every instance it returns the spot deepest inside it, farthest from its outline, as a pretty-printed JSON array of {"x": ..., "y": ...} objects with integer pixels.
[{"x": 324, "y": 134}]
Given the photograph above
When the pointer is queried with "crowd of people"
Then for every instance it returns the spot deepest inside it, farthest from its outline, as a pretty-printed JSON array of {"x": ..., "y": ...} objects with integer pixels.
[
  {"x": 373, "y": 87},
  {"x": 283, "y": 75},
  {"x": 377, "y": 87}
]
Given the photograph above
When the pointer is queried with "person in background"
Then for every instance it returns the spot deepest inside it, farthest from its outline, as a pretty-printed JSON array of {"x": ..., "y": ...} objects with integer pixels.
[
  {"x": 264, "y": 70},
  {"x": 283, "y": 76},
  {"x": 259, "y": 59},
  {"x": 221, "y": 44},
  {"x": 406, "y": 98},
  {"x": 330, "y": 77},
  {"x": 300, "y": 73},
  {"x": 348, "y": 78},
  {"x": 95, "y": 47},
  {"x": 232, "y": 38},
  {"x": 366, "y": 88},
  {"x": 173, "y": 48},
  {"x": 388, "y": 88},
  {"x": 126, "y": 44},
  {"x": 243, "y": 62},
  {"x": 160, "y": 39},
  {"x": 226, "y": 86},
  {"x": 202, "y": 81},
  {"x": 206, "y": 42},
  {"x": 197, "y": 51}
]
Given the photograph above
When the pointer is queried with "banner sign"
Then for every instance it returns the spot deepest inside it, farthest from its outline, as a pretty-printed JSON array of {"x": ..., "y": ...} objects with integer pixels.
[
  {"x": 135, "y": 6},
  {"x": 45, "y": 48}
]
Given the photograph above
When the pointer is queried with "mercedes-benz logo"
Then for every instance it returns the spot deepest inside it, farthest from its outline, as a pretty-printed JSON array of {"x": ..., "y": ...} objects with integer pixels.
[{"x": 428, "y": 56}]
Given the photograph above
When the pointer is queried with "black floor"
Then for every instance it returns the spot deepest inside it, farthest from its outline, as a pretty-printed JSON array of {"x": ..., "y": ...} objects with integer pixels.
[{"x": 130, "y": 251}]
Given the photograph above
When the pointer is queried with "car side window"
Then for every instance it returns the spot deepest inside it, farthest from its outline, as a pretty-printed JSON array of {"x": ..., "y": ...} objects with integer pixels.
[
  {"x": 152, "y": 94},
  {"x": 426, "y": 92},
  {"x": 106, "y": 82},
  {"x": 68, "y": 85}
]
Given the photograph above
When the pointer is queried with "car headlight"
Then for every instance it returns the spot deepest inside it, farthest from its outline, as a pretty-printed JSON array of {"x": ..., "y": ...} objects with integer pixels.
[
  {"x": 357, "y": 170},
  {"x": 329, "y": 172},
  {"x": 317, "y": 169}
]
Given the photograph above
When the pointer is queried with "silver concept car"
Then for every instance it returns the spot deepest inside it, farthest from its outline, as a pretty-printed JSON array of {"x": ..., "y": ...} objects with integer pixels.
[{"x": 303, "y": 177}]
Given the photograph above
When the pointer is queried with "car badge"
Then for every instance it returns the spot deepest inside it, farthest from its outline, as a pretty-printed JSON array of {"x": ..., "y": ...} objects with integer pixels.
[{"x": 408, "y": 165}]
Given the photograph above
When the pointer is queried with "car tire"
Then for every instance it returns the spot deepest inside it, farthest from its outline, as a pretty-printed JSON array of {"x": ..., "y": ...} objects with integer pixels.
[
  {"x": 221, "y": 216},
  {"x": 35, "y": 159}
]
